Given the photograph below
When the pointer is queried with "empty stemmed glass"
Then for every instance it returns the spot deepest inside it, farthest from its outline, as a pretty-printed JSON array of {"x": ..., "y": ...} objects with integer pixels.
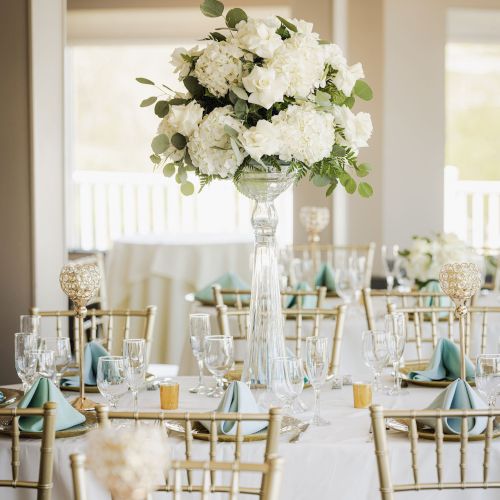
[
  {"x": 316, "y": 367},
  {"x": 45, "y": 364},
  {"x": 134, "y": 352},
  {"x": 199, "y": 328},
  {"x": 62, "y": 352},
  {"x": 390, "y": 261},
  {"x": 376, "y": 353},
  {"x": 395, "y": 326},
  {"x": 488, "y": 377},
  {"x": 218, "y": 356},
  {"x": 112, "y": 379},
  {"x": 345, "y": 284},
  {"x": 25, "y": 358},
  {"x": 287, "y": 380}
]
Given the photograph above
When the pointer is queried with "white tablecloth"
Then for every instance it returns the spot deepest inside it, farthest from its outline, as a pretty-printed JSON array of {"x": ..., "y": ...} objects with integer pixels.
[
  {"x": 330, "y": 462},
  {"x": 150, "y": 271}
]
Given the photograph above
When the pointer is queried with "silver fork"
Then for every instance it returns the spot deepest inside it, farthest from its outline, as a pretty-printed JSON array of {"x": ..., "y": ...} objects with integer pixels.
[{"x": 302, "y": 427}]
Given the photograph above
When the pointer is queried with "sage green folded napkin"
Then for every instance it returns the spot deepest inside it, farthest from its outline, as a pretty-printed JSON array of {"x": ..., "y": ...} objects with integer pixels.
[
  {"x": 459, "y": 395},
  {"x": 308, "y": 301},
  {"x": 228, "y": 280},
  {"x": 42, "y": 391},
  {"x": 326, "y": 277},
  {"x": 238, "y": 399},
  {"x": 444, "y": 364},
  {"x": 93, "y": 351}
]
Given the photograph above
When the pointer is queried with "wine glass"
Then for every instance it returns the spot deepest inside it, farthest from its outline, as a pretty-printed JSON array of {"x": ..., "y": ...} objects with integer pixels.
[
  {"x": 345, "y": 284},
  {"x": 62, "y": 351},
  {"x": 25, "y": 358},
  {"x": 316, "y": 368},
  {"x": 134, "y": 352},
  {"x": 218, "y": 356},
  {"x": 199, "y": 328},
  {"x": 46, "y": 363},
  {"x": 375, "y": 353},
  {"x": 395, "y": 326},
  {"x": 30, "y": 324},
  {"x": 287, "y": 380},
  {"x": 488, "y": 377},
  {"x": 112, "y": 378},
  {"x": 390, "y": 261}
]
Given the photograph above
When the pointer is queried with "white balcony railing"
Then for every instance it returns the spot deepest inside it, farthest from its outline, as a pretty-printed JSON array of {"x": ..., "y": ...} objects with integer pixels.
[
  {"x": 472, "y": 209},
  {"x": 105, "y": 206}
]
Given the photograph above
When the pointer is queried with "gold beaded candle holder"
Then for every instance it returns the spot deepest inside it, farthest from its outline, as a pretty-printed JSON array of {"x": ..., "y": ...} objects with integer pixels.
[
  {"x": 314, "y": 219},
  {"x": 80, "y": 282},
  {"x": 460, "y": 281}
]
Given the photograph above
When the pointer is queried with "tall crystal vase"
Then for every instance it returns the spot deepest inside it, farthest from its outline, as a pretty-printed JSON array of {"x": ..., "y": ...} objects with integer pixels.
[{"x": 266, "y": 338}]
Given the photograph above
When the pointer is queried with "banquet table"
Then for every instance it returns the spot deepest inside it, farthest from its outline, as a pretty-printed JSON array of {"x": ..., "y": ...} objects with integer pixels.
[
  {"x": 147, "y": 270},
  {"x": 333, "y": 462}
]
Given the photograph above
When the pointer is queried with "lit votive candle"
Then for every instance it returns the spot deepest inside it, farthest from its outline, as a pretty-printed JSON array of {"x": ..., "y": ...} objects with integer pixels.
[
  {"x": 169, "y": 395},
  {"x": 362, "y": 393}
]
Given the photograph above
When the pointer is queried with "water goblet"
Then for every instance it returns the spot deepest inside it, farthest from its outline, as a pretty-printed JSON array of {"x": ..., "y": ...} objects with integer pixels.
[
  {"x": 25, "y": 358},
  {"x": 390, "y": 261},
  {"x": 30, "y": 323},
  {"x": 316, "y": 367},
  {"x": 112, "y": 378},
  {"x": 287, "y": 380},
  {"x": 134, "y": 352},
  {"x": 218, "y": 357},
  {"x": 488, "y": 377},
  {"x": 199, "y": 328},
  {"x": 345, "y": 284},
  {"x": 62, "y": 351},
  {"x": 395, "y": 326},
  {"x": 46, "y": 363},
  {"x": 375, "y": 353}
]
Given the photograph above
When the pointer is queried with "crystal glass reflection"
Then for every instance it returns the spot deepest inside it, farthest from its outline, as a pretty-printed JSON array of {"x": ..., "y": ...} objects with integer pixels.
[
  {"x": 199, "y": 328},
  {"x": 376, "y": 354},
  {"x": 25, "y": 358},
  {"x": 395, "y": 326},
  {"x": 112, "y": 378},
  {"x": 46, "y": 364},
  {"x": 488, "y": 377},
  {"x": 390, "y": 261},
  {"x": 134, "y": 352},
  {"x": 316, "y": 367},
  {"x": 218, "y": 356},
  {"x": 287, "y": 380},
  {"x": 62, "y": 352}
]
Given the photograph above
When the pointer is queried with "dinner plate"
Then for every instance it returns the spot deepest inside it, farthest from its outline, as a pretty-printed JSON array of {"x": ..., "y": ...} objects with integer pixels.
[
  {"x": 10, "y": 396},
  {"x": 412, "y": 366},
  {"x": 199, "y": 432},
  {"x": 426, "y": 432},
  {"x": 92, "y": 389},
  {"x": 77, "y": 430}
]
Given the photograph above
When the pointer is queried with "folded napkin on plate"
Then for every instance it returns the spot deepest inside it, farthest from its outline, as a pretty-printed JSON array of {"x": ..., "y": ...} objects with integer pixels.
[
  {"x": 230, "y": 281},
  {"x": 434, "y": 286},
  {"x": 459, "y": 395},
  {"x": 308, "y": 301},
  {"x": 238, "y": 399},
  {"x": 444, "y": 364},
  {"x": 93, "y": 351},
  {"x": 42, "y": 391},
  {"x": 326, "y": 277}
]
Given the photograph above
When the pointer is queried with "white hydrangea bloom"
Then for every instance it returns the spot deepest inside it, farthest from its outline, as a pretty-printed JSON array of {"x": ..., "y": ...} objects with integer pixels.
[
  {"x": 305, "y": 134},
  {"x": 334, "y": 56},
  {"x": 210, "y": 147},
  {"x": 347, "y": 76},
  {"x": 265, "y": 86},
  {"x": 181, "y": 66},
  {"x": 303, "y": 27},
  {"x": 259, "y": 36},
  {"x": 300, "y": 60},
  {"x": 357, "y": 128},
  {"x": 263, "y": 139},
  {"x": 185, "y": 118},
  {"x": 219, "y": 67}
]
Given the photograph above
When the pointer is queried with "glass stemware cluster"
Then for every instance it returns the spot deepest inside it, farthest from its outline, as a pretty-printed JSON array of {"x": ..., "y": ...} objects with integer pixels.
[{"x": 488, "y": 377}]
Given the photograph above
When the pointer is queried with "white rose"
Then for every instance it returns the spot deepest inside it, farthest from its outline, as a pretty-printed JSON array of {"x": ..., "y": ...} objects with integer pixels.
[
  {"x": 265, "y": 86},
  {"x": 185, "y": 118},
  {"x": 181, "y": 65},
  {"x": 347, "y": 76},
  {"x": 364, "y": 128},
  {"x": 259, "y": 36},
  {"x": 260, "y": 140},
  {"x": 334, "y": 56}
]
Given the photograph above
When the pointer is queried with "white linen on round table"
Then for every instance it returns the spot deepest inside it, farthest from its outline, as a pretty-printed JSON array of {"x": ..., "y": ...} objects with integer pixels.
[
  {"x": 327, "y": 463},
  {"x": 144, "y": 271}
]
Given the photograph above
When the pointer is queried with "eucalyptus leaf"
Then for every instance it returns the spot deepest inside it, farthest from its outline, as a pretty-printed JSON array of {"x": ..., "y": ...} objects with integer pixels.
[
  {"x": 322, "y": 98},
  {"x": 230, "y": 131},
  {"x": 193, "y": 86},
  {"x": 365, "y": 189},
  {"x": 288, "y": 24},
  {"x": 332, "y": 187},
  {"x": 160, "y": 144},
  {"x": 236, "y": 150},
  {"x": 363, "y": 169},
  {"x": 241, "y": 109},
  {"x": 212, "y": 8},
  {"x": 181, "y": 176},
  {"x": 155, "y": 159},
  {"x": 169, "y": 169},
  {"x": 240, "y": 92},
  {"x": 148, "y": 101},
  {"x": 179, "y": 141},
  {"x": 187, "y": 188},
  {"x": 350, "y": 185},
  {"x": 162, "y": 108},
  {"x": 363, "y": 90},
  {"x": 349, "y": 102},
  {"x": 145, "y": 81},
  {"x": 234, "y": 16},
  {"x": 338, "y": 151},
  {"x": 219, "y": 37},
  {"x": 320, "y": 181},
  {"x": 178, "y": 100}
]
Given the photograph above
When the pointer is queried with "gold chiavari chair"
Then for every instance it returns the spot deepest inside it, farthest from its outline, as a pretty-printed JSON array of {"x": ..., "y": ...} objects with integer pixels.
[
  {"x": 336, "y": 315},
  {"x": 190, "y": 419},
  {"x": 328, "y": 254},
  {"x": 388, "y": 487},
  {"x": 271, "y": 471},
  {"x": 111, "y": 322},
  {"x": 44, "y": 483}
]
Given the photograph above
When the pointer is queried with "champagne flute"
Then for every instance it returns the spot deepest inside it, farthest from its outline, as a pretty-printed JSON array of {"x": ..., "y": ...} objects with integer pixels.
[
  {"x": 25, "y": 358},
  {"x": 375, "y": 353},
  {"x": 316, "y": 367},
  {"x": 287, "y": 380},
  {"x": 218, "y": 356},
  {"x": 395, "y": 326},
  {"x": 390, "y": 261},
  {"x": 134, "y": 352},
  {"x": 199, "y": 328},
  {"x": 112, "y": 379},
  {"x": 488, "y": 377},
  {"x": 62, "y": 351}
]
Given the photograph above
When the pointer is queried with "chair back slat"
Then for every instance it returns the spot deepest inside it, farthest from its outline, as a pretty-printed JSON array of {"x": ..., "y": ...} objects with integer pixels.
[
  {"x": 464, "y": 440},
  {"x": 439, "y": 437},
  {"x": 413, "y": 435},
  {"x": 487, "y": 447}
]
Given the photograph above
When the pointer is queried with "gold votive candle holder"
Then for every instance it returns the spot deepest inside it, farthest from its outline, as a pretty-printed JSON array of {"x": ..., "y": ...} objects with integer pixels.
[
  {"x": 362, "y": 394},
  {"x": 169, "y": 395}
]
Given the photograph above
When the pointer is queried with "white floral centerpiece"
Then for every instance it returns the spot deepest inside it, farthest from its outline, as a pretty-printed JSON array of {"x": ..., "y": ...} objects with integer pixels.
[{"x": 262, "y": 95}]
